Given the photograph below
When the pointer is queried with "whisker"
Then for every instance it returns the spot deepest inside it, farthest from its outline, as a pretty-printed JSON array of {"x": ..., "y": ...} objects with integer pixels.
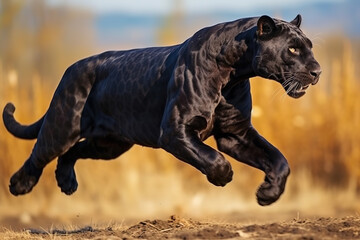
[
  {"x": 277, "y": 92},
  {"x": 273, "y": 75},
  {"x": 288, "y": 74},
  {"x": 287, "y": 82},
  {"x": 292, "y": 86},
  {"x": 283, "y": 96}
]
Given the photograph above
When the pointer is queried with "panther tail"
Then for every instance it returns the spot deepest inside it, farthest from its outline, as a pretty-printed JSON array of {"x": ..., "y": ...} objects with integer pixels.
[{"x": 17, "y": 129}]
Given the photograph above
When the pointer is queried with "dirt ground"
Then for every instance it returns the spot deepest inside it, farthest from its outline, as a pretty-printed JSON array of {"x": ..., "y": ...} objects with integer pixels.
[{"x": 183, "y": 228}]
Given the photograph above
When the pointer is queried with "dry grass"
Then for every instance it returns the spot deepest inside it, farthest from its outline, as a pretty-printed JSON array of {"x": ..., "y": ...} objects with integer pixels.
[{"x": 9, "y": 234}]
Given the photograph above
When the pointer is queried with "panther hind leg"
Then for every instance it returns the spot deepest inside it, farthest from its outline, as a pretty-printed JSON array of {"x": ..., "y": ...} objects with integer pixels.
[
  {"x": 28, "y": 175},
  {"x": 93, "y": 149},
  {"x": 60, "y": 129}
]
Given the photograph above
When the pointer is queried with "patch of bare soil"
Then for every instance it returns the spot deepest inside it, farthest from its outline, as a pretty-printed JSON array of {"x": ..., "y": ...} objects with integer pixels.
[{"x": 180, "y": 228}]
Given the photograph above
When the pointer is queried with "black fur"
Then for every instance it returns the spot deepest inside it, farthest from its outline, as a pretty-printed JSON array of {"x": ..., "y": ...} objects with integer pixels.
[{"x": 172, "y": 98}]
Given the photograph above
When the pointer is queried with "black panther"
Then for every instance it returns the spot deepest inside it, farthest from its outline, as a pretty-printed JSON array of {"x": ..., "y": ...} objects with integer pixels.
[{"x": 172, "y": 98}]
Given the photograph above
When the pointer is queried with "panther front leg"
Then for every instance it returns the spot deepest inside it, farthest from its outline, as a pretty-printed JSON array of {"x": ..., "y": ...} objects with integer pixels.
[
  {"x": 182, "y": 141},
  {"x": 254, "y": 150}
]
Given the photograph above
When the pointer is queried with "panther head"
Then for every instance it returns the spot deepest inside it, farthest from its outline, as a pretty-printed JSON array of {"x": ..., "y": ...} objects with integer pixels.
[{"x": 284, "y": 54}]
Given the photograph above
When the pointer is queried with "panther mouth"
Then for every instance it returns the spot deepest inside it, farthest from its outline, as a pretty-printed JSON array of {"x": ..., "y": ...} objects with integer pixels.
[{"x": 295, "y": 89}]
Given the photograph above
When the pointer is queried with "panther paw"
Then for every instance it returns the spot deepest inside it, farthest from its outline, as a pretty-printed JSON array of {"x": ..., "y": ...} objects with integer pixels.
[
  {"x": 24, "y": 179},
  {"x": 66, "y": 179},
  {"x": 267, "y": 194},
  {"x": 220, "y": 174},
  {"x": 272, "y": 188}
]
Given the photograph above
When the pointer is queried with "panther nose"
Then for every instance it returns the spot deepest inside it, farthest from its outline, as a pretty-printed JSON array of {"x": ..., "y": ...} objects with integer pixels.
[{"x": 316, "y": 74}]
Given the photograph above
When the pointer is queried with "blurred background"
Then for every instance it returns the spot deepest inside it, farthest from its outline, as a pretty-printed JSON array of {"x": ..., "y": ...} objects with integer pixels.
[{"x": 319, "y": 133}]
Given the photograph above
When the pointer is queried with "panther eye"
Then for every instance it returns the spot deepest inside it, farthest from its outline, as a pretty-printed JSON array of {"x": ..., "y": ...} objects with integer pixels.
[{"x": 294, "y": 51}]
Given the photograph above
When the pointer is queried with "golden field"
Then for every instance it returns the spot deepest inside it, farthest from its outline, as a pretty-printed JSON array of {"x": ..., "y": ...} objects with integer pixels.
[{"x": 318, "y": 133}]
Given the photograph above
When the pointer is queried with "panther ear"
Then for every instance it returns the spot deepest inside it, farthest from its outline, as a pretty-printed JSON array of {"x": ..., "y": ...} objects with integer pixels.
[
  {"x": 265, "y": 27},
  {"x": 297, "y": 21}
]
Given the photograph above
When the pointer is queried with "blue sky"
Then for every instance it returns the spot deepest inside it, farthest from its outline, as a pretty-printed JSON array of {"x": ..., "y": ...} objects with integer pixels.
[
  {"x": 189, "y": 6},
  {"x": 137, "y": 22}
]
